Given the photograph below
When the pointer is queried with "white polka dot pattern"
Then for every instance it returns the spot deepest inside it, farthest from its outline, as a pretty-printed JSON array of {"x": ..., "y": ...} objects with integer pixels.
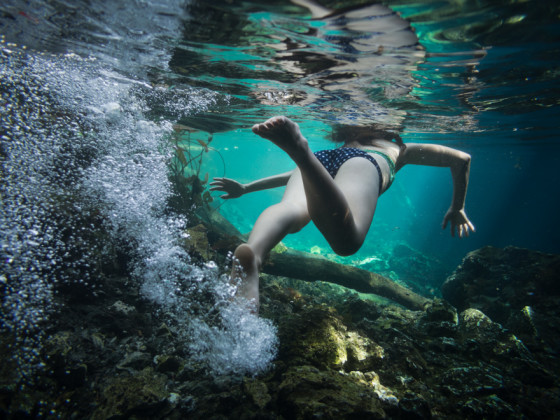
[{"x": 333, "y": 159}]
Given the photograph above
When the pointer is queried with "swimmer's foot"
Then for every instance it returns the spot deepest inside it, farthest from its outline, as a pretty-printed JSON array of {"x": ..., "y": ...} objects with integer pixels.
[
  {"x": 248, "y": 270},
  {"x": 284, "y": 133}
]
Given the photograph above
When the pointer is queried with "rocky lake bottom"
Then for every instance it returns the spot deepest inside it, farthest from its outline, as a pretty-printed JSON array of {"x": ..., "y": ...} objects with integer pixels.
[{"x": 487, "y": 349}]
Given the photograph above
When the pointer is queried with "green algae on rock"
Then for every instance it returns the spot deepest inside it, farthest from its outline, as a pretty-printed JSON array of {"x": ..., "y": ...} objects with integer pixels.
[
  {"x": 143, "y": 394},
  {"x": 339, "y": 357},
  {"x": 321, "y": 339},
  {"x": 307, "y": 392}
]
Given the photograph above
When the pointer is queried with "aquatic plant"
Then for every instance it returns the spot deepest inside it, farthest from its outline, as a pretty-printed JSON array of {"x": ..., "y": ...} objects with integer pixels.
[{"x": 185, "y": 167}]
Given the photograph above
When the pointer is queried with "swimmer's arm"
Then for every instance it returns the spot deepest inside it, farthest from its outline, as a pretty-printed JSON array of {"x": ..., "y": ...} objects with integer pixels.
[
  {"x": 437, "y": 155},
  {"x": 235, "y": 189},
  {"x": 459, "y": 162}
]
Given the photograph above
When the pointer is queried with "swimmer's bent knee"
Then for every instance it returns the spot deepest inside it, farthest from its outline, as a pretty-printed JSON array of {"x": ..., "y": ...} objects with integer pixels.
[
  {"x": 297, "y": 226},
  {"x": 347, "y": 247},
  {"x": 345, "y": 251}
]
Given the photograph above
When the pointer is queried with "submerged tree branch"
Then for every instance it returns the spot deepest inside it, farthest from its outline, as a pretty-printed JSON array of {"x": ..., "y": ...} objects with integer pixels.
[{"x": 309, "y": 267}]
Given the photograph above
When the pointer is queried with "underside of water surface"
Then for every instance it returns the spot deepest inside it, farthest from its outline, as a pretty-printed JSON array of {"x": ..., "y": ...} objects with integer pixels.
[{"x": 116, "y": 115}]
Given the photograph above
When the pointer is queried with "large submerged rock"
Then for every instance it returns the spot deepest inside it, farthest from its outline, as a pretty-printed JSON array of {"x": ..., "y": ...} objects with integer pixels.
[
  {"x": 340, "y": 356},
  {"x": 515, "y": 287}
]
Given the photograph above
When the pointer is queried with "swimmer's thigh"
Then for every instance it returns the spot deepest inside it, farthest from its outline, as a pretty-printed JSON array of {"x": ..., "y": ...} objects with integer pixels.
[
  {"x": 294, "y": 196},
  {"x": 359, "y": 181}
]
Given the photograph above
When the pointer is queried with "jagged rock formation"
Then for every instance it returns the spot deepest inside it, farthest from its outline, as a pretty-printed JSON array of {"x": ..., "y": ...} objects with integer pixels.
[
  {"x": 516, "y": 287},
  {"x": 111, "y": 356}
]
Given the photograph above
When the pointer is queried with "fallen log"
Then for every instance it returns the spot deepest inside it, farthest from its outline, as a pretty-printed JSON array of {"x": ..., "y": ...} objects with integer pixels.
[{"x": 310, "y": 267}]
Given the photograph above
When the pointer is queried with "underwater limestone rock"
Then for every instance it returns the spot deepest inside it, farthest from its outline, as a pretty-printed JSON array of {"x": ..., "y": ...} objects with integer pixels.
[
  {"x": 307, "y": 392},
  {"x": 342, "y": 358},
  {"x": 441, "y": 311},
  {"x": 472, "y": 380},
  {"x": 499, "y": 281},
  {"x": 135, "y": 360},
  {"x": 491, "y": 405},
  {"x": 122, "y": 308},
  {"x": 516, "y": 287},
  {"x": 168, "y": 363},
  {"x": 414, "y": 406},
  {"x": 440, "y": 319},
  {"x": 309, "y": 267},
  {"x": 495, "y": 344},
  {"x": 197, "y": 241},
  {"x": 116, "y": 317},
  {"x": 142, "y": 395},
  {"x": 354, "y": 309},
  {"x": 319, "y": 338},
  {"x": 65, "y": 358},
  {"x": 482, "y": 371},
  {"x": 258, "y": 391},
  {"x": 493, "y": 341}
]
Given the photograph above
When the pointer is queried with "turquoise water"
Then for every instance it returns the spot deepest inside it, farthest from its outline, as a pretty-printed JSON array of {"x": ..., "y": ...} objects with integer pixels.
[
  {"x": 482, "y": 88},
  {"x": 91, "y": 91}
]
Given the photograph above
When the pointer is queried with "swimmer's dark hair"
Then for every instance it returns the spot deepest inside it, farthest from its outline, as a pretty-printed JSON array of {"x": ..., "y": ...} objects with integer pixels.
[{"x": 362, "y": 134}]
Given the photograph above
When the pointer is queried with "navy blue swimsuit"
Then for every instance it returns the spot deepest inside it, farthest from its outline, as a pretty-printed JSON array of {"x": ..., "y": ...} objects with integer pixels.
[{"x": 333, "y": 159}]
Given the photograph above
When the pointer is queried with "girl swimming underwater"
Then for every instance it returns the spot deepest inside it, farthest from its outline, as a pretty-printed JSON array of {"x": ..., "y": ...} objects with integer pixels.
[{"x": 336, "y": 189}]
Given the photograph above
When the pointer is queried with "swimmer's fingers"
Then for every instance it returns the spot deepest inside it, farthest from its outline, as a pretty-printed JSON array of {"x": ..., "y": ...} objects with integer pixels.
[
  {"x": 466, "y": 227},
  {"x": 217, "y": 184},
  {"x": 219, "y": 180},
  {"x": 446, "y": 220},
  {"x": 459, "y": 222},
  {"x": 233, "y": 188},
  {"x": 221, "y": 184}
]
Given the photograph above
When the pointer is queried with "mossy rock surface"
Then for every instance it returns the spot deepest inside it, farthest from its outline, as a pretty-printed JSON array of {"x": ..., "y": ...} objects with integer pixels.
[
  {"x": 307, "y": 392},
  {"x": 142, "y": 395},
  {"x": 339, "y": 358},
  {"x": 319, "y": 337}
]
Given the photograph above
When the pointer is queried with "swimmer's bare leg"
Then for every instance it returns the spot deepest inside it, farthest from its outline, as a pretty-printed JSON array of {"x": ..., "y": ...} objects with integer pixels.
[
  {"x": 326, "y": 202},
  {"x": 246, "y": 269},
  {"x": 288, "y": 216}
]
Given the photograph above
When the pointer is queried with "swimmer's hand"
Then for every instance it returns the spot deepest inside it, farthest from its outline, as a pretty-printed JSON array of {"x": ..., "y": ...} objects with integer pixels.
[
  {"x": 233, "y": 188},
  {"x": 459, "y": 221}
]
